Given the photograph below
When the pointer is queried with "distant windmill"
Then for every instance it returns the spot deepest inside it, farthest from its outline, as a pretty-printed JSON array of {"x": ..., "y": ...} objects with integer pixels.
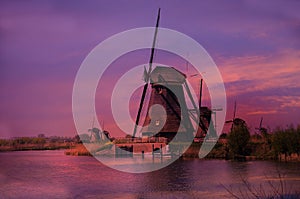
[
  {"x": 232, "y": 121},
  {"x": 261, "y": 129},
  {"x": 95, "y": 133},
  {"x": 236, "y": 121},
  {"x": 205, "y": 116}
]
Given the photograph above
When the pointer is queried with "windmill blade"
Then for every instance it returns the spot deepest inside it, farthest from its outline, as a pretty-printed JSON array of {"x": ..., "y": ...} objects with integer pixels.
[
  {"x": 234, "y": 111},
  {"x": 147, "y": 77},
  {"x": 229, "y": 121},
  {"x": 231, "y": 127},
  {"x": 153, "y": 44},
  {"x": 200, "y": 95},
  {"x": 232, "y": 121},
  {"x": 260, "y": 124}
]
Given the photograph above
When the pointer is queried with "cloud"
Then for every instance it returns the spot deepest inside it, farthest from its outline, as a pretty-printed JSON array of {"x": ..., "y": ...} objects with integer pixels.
[
  {"x": 261, "y": 72},
  {"x": 262, "y": 112},
  {"x": 286, "y": 101}
]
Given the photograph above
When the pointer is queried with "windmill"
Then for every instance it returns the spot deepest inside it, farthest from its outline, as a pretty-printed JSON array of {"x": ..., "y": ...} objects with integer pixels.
[
  {"x": 205, "y": 117},
  {"x": 236, "y": 121},
  {"x": 261, "y": 129},
  {"x": 168, "y": 85},
  {"x": 95, "y": 133},
  {"x": 232, "y": 121}
]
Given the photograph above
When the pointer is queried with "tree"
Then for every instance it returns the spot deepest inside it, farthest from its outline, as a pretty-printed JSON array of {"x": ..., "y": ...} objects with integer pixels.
[
  {"x": 41, "y": 135},
  {"x": 238, "y": 139},
  {"x": 286, "y": 141}
]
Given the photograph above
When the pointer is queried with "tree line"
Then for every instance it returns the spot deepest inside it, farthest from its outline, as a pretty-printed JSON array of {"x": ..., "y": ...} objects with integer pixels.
[{"x": 279, "y": 142}]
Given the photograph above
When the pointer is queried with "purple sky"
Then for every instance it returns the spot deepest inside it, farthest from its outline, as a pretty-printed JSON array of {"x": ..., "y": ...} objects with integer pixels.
[{"x": 255, "y": 44}]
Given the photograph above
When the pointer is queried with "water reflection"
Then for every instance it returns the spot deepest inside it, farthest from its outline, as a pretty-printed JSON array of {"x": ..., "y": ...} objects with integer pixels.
[{"x": 51, "y": 174}]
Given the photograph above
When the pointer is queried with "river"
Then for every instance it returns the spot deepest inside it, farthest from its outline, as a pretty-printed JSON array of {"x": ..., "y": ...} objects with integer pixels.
[{"x": 51, "y": 174}]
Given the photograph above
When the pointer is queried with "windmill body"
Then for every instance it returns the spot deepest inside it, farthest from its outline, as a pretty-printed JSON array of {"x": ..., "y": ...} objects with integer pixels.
[{"x": 167, "y": 91}]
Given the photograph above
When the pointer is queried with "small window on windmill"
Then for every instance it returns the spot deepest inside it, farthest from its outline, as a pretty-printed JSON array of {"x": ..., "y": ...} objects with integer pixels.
[
  {"x": 159, "y": 90},
  {"x": 157, "y": 123}
]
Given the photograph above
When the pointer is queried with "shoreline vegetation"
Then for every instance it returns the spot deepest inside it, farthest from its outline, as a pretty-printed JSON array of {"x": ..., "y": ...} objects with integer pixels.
[
  {"x": 281, "y": 145},
  {"x": 36, "y": 143}
]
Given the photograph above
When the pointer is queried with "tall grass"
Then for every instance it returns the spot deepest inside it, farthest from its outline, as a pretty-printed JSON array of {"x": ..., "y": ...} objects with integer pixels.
[{"x": 268, "y": 190}]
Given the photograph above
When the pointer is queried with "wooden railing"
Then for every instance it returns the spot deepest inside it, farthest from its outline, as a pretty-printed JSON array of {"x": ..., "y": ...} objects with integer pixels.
[{"x": 122, "y": 140}]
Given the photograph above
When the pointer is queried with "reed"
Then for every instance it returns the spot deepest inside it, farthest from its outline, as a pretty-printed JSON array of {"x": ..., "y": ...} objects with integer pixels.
[
  {"x": 78, "y": 150},
  {"x": 270, "y": 190}
]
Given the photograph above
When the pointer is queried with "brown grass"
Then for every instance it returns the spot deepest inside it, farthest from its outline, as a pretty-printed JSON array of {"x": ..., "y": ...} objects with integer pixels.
[{"x": 78, "y": 150}]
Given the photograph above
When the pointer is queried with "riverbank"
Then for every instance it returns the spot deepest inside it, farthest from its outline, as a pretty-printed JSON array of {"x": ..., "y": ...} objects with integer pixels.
[
  {"x": 41, "y": 142},
  {"x": 219, "y": 151},
  {"x": 282, "y": 145},
  {"x": 32, "y": 147},
  {"x": 257, "y": 150}
]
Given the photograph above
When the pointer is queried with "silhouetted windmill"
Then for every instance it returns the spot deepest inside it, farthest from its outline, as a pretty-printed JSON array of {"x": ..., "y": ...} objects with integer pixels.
[
  {"x": 168, "y": 86},
  {"x": 236, "y": 121},
  {"x": 261, "y": 129},
  {"x": 205, "y": 116},
  {"x": 95, "y": 133},
  {"x": 232, "y": 121}
]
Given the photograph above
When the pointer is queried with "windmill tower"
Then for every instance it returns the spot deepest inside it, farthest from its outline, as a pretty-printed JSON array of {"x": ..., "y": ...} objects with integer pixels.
[{"x": 167, "y": 90}]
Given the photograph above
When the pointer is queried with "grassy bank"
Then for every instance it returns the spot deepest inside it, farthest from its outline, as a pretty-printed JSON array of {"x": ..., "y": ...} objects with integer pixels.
[
  {"x": 35, "y": 143},
  {"x": 29, "y": 147},
  {"x": 281, "y": 145}
]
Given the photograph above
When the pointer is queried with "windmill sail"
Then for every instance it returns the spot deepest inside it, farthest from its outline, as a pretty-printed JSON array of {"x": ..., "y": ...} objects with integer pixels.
[{"x": 147, "y": 77}]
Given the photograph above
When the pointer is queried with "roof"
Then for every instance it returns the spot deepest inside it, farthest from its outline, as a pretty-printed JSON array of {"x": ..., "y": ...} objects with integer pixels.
[{"x": 163, "y": 74}]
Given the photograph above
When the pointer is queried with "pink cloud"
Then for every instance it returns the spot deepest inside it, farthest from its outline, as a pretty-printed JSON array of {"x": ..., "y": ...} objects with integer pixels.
[
  {"x": 262, "y": 112},
  {"x": 280, "y": 70}
]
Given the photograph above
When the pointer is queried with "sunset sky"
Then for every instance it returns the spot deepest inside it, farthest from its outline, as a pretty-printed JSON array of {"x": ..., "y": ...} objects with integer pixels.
[{"x": 255, "y": 44}]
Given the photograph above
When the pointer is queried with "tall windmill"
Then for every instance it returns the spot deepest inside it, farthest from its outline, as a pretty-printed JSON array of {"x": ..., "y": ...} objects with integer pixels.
[{"x": 169, "y": 87}]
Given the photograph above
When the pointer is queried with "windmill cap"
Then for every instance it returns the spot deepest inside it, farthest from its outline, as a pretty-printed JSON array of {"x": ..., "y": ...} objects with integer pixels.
[{"x": 169, "y": 75}]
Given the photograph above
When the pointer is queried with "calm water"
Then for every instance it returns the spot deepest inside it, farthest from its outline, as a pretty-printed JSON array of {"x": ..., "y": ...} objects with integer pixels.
[{"x": 51, "y": 174}]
